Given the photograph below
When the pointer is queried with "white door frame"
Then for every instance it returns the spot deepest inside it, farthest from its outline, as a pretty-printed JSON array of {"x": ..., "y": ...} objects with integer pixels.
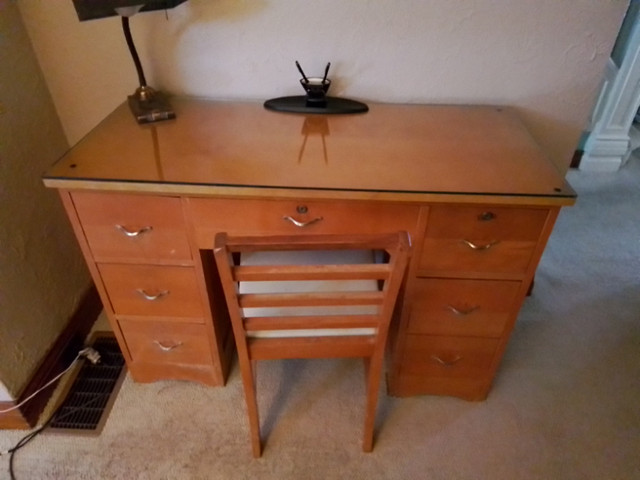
[{"x": 607, "y": 147}]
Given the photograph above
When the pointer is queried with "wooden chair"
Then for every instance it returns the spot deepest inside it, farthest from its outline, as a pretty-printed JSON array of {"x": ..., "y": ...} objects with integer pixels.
[{"x": 339, "y": 322}]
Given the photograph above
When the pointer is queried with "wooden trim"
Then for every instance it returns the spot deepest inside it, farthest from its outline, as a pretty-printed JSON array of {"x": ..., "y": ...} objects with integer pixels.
[
  {"x": 565, "y": 196},
  {"x": 576, "y": 159},
  {"x": 311, "y": 347},
  {"x": 60, "y": 355},
  {"x": 12, "y": 420}
]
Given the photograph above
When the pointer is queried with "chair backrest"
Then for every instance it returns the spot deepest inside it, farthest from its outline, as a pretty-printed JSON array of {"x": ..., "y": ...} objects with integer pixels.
[{"x": 318, "y": 308}]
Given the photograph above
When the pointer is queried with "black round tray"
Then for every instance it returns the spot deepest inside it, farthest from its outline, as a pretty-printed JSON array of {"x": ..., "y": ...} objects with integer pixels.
[{"x": 298, "y": 104}]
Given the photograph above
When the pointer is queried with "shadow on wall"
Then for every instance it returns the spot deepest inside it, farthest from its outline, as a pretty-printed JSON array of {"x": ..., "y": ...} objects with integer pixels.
[
  {"x": 207, "y": 11},
  {"x": 551, "y": 133},
  {"x": 172, "y": 69},
  {"x": 188, "y": 16}
]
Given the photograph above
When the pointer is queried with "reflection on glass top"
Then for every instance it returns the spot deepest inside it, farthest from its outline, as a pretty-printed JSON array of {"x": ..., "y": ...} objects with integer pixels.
[{"x": 391, "y": 148}]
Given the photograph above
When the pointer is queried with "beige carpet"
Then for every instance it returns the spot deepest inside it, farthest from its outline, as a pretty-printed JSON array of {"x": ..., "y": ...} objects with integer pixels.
[{"x": 565, "y": 404}]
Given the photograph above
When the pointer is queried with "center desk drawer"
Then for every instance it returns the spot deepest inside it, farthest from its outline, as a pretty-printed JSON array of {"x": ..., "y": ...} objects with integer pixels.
[
  {"x": 287, "y": 217},
  {"x": 480, "y": 239},
  {"x": 477, "y": 308},
  {"x": 150, "y": 290},
  {"x": 133, "y": 227}
]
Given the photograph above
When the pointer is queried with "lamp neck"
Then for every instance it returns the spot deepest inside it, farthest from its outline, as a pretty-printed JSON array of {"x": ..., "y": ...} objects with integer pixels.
[{"x": 132, "y": 49}]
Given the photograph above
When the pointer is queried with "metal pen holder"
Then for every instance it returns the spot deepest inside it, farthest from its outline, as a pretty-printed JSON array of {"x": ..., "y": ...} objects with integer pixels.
[{"x": 316, "y": 87}]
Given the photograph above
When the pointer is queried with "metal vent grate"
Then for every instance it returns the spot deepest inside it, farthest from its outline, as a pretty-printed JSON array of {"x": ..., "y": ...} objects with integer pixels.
[{"x": 93, "y": 391}]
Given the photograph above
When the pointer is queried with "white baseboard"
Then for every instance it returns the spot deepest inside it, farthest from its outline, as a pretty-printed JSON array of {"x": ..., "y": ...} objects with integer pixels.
[
  {"x": 590, "y": 163},
  {"x": 4, "y": 394},
  {"x": 605, "y": 152}
]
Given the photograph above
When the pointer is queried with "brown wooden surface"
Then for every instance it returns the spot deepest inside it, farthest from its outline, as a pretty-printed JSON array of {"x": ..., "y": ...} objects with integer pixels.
[
  {"x": 454, "y": 258},
  {"x": 471, "y": 388},
  {"x": 165, "y": 241},
  {"x": 392, "y": 150},
  {"x": 174, "y": 291},
  {"x": 442, "y": 173},
  {"x": 312, "y": 272},
  {"x": 13, "y": 420},
  {"x": 447, "y": 365},
  {"x": 481, "y": 223},
  {"x": 339, "y": 347},
  {"x": 143, "y": 372},
  {"x": 216, "y": 316},
  {"x": 211, "y": 366},
  {"x": 436, "y": 356},
  {"x": 266, "y": 217},
  {"x": 479, "y": 344},
  {"x": 462, "y": 307},
  {"x": 305, "y": 321},
  {"x": 163, "y": 343},
  {"x": 506, "y": 242}
]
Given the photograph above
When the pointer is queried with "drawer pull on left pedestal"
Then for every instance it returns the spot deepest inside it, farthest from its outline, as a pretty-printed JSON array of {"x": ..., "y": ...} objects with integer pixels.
[
  {"x": 167, "y": 348},
  {"x": 153, "y": 296},
  {"x": 475, "y": 246},
  {"x": 133, "y": 233},
  {"x": 446, "y": 363}
]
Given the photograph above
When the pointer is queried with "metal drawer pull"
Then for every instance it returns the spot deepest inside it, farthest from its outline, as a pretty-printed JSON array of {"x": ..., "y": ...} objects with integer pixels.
[
  {"x": 445, "y": 363},
  {"x": 475, "y": 246},
  {"x": 133, "y": 233},
  {"x": 148, "y": 296},
  {"x": 301, "y": 224},
  {"x": 167, "y": 348},
  {"x": 464, "y": 311}
]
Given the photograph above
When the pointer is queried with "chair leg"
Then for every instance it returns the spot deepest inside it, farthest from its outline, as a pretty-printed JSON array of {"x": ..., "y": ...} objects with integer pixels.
[
  {"x": 247, "y": 369},
  {"x": 373, "y": 369}
]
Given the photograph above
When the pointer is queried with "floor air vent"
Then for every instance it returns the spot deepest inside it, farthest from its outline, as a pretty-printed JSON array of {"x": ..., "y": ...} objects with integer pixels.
[{"x": 86, "y": 405}]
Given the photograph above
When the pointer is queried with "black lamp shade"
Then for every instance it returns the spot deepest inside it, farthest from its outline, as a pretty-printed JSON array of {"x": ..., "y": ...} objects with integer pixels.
[{"x": 92, "y": 9}]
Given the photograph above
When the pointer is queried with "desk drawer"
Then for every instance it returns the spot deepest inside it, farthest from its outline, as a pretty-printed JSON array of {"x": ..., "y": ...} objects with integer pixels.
[
  {"x": 448, "y": 357},
  {"x": 287, "y": 217},
  {"x": 478, "y": 308},
  {"x": 121, "y": 227},
  {"x": 167, "y": 343},
  {"x": 150, "y": 290},
  {"x": 480, "y": 240}
]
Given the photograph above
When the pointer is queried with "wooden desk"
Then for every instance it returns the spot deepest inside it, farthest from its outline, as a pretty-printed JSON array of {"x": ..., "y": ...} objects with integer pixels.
[{"x": 468, "y": 183}]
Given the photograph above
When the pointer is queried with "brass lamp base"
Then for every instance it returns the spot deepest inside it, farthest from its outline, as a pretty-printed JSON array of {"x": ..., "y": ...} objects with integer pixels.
[{"x": 148, "y": 106}]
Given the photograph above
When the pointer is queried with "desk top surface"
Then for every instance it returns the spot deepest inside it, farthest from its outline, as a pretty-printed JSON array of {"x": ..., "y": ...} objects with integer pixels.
[{"x": 397, "y": 152}]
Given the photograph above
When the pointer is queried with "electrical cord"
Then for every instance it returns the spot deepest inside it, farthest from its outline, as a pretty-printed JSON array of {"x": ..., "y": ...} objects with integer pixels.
[
  {"x": 87, "y": 353},
  {"x": 31, "y": 435}
]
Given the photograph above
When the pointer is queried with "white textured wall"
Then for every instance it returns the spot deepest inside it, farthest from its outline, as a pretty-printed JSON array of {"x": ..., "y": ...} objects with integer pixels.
[
  {"x": 544, "y": 56},
  {"x": 41, "y": 270}
]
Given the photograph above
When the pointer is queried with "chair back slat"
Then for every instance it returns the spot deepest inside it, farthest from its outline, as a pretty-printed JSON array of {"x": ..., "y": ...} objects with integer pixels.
[
  {"x": 311, "y": 272},
  {"x": 254, "y": 324},
  {"x": 307, "y": 242},
  {"x": 311, "y": 347},
  {"x": 327, "y": 299}
]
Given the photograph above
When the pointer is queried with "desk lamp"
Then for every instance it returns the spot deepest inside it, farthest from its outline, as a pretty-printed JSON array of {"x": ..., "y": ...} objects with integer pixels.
[{"x": 147, "y": 104}]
